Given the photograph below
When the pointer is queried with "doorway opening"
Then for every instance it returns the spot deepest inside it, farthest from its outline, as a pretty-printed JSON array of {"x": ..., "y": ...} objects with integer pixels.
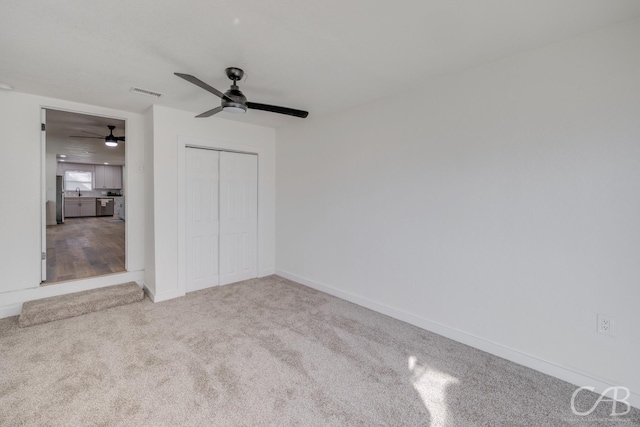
[{"x": 84, "y": 225}]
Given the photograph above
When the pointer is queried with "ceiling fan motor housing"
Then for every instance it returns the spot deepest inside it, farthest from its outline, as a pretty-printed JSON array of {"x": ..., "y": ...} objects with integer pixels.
[{"x": 238, "y": 103}]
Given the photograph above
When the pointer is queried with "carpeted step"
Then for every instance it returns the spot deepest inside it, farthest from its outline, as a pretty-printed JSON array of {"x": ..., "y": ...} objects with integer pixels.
[{"x": 61, "y": 307}]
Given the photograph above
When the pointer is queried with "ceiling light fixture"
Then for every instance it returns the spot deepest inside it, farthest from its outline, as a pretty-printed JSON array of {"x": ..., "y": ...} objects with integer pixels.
[
  {"x": 234, "y": 108},
  {"x": 234, "y": 102},
  {"x": 111, "y": 141}
]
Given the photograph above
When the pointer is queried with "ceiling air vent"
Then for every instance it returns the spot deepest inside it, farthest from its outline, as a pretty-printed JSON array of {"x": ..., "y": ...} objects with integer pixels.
[{"x": 145, "y": 92}]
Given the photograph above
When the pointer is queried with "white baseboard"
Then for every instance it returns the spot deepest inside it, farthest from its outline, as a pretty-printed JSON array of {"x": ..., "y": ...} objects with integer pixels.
[
  {"x": 201, "y": 287},
  {"x": 10, "y": 310},
  {"x": 267, "y": 272},
  {"x": 148, "y": 292},
  {"x": 163, "y": 296},
  {"x": 579, "y": 379}
]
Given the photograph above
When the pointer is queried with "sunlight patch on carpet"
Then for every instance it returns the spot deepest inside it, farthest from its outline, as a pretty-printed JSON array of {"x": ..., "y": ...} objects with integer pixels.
[{"x": 432, "y": 386}]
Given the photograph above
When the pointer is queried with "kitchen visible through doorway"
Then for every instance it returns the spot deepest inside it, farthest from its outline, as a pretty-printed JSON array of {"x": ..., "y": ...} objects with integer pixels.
[{"x": 85, "y": 196}]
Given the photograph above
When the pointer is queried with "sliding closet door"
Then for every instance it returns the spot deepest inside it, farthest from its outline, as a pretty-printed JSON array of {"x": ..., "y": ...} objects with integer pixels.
[
  {"x": 238, "y": 216},
  {"x": 203, "y": 225}
]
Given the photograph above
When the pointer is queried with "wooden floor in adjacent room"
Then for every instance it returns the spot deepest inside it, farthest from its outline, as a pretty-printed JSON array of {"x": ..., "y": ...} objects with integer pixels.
[{"x": 84, "y": 247}]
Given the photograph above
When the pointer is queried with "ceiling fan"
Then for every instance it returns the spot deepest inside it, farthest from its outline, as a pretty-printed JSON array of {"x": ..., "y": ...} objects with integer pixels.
[
  {"x": 109, "y": 140},
  {"x": 233, "y": 100}
]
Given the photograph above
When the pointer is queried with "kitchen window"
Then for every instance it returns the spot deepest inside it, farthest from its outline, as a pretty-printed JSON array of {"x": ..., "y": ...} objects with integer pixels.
[{"x": 78, "y": 179}]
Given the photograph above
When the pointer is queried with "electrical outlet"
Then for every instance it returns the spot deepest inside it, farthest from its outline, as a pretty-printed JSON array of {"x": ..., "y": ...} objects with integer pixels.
[{"x": 606, "y": 325}]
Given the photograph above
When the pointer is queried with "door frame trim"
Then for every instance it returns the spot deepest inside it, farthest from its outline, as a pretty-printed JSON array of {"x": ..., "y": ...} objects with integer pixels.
[
  {"x": 43, "y": 184},
  {"x": 43, "y": 195}
]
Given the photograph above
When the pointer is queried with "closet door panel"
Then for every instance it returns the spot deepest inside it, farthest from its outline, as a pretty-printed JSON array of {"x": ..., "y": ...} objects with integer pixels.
[
  {"x": 203, "y": 225},
  {"x": 238, "y": 216}
]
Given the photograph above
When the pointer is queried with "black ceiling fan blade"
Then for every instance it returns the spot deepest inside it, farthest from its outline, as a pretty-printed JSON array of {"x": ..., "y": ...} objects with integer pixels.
[
  {"x": 210, "y": 112},
  {"x": 120, "y": 138},
  {"x": 196, "y": 81},
  {"x": 87, "y": 137},
  {"x": 96, "y": 134},
  {"x": 276, "y": 109}
]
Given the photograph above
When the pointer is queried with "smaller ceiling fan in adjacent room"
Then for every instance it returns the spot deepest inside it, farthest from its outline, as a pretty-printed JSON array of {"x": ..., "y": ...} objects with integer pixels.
[
  {"x": 109, "y": 140},
  {"x": 233, "y": 100}
]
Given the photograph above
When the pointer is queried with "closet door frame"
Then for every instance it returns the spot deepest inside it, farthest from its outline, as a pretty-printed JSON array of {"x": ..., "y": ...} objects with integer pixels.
[{"x": 182, "y": 144}]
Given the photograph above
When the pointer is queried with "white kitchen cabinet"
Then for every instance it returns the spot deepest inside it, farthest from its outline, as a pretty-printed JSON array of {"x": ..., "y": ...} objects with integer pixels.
[
  {"x": 79, "y": 206},
  {"x": 118, "y": 210},
  {"x": 99, "y": 177},
  {"x": 120, "y": 206},
  {"x": 108, "y": 177},
  {"x": 88, "y": 206},
  {"x": 117, "y": 177},
  {"x": 71, "y": 207}
]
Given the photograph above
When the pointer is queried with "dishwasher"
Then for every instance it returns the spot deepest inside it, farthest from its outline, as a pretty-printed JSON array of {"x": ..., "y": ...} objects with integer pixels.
[{"x": 104, "y": 206}]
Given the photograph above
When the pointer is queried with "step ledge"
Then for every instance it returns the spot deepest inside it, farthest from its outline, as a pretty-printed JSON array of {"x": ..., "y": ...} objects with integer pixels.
[{"x": 76, "y": 304}]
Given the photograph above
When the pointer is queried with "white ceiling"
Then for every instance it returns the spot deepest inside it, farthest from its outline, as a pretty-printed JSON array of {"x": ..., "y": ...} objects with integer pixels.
[
  {"x": 61, "y": 125},
  {"x": 322, "y": 56}
]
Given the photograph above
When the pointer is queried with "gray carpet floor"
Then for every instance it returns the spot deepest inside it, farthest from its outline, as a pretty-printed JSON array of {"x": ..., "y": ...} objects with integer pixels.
[{"x": 266, "y": 352}]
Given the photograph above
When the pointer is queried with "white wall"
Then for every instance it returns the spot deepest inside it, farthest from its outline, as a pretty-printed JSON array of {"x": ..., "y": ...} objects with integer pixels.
[
  {"x": 171, "y": 130},
  {"x": 499, "y": 206},
  {"x": 149, "y": 224},
  {"x": 20, "y": 225},
  {"x": 20, "y": 228}
]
